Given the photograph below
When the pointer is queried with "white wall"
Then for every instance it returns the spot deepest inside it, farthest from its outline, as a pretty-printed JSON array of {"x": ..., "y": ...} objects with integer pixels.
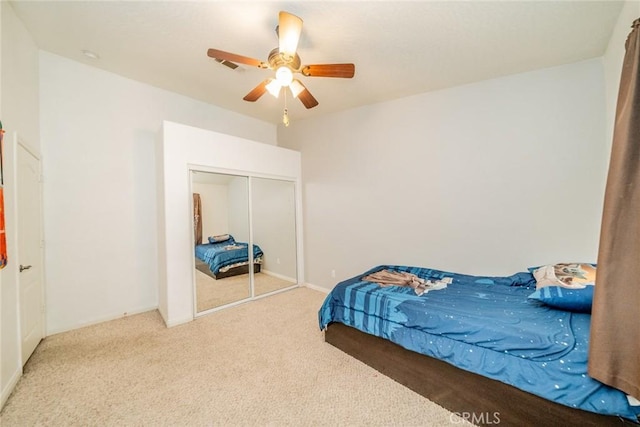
[
  {"x": 99, "y": 133},
  {"x": 183, "y": 148},
  {"x": 487, "y": 178},
  {"x": 2, "y": 383},
  {"x": 215, "y": 211},
  {"x": 239, "y": 208},
  {"x": 20, "y": 110}
]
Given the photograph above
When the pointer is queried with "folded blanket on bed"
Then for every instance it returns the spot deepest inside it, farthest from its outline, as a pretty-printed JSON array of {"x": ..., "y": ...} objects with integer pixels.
[
  {"x": 233, "y": 247},
  {"x": 397, "y": 278}
]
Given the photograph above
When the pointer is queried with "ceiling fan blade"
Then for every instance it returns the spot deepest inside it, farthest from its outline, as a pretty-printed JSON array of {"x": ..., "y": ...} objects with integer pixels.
[
  {"x": 305, "y": 96},
  {"x": 232, "y": 57},
  {"x": 346, "y": 71},
  {"x": 289, "y": 29},
  {"x": 257, "y": 92},
  {"x": 307, "y": 99}
]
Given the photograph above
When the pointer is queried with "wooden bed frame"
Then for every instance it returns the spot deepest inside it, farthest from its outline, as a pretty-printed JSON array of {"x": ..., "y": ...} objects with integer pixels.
[
  {"x": 235, "y": 271},
  {"x": 480, "y": 400}
]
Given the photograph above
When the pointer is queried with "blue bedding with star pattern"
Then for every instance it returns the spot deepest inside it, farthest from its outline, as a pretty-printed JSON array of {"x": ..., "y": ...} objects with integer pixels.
[
  {"x": 486, "y": 325},
  {"x": 223, "y": 254}
]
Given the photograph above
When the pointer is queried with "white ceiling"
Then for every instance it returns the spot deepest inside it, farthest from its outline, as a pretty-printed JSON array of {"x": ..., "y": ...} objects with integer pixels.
[{"x": 400, "y": 48}]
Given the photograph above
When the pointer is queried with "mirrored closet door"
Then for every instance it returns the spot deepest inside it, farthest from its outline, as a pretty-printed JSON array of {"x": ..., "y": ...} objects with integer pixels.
[
  {"x": 273, "y": 212},
  {"x": 221, "y": 237},
  {"x": 237, "y": 243}
]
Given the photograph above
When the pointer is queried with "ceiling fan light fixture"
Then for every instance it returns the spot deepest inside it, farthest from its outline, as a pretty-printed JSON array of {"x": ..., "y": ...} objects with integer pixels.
[
  {"x": 296, "y": 87},
  {"x": 283, "y": 61},
  {"x": 274, "y": 87},
  {"x": 284, "y": 76}
]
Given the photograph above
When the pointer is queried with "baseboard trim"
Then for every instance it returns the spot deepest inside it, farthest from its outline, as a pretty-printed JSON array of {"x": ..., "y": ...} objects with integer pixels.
[
  {"x": 317, "y": 288},
  {"x": 280, "y": 276},
  {"x": 176, "y": 322},
  {"x": 6, "y": 392},
  {"x": 101, "y": 320}
]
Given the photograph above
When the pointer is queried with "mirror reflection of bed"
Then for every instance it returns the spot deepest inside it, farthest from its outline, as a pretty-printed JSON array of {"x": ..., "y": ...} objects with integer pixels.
[{"x": 221, "y": 236}]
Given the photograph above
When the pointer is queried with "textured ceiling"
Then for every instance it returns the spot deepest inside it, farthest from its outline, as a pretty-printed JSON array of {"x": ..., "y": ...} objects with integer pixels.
[{"x": 399, "y": 48}]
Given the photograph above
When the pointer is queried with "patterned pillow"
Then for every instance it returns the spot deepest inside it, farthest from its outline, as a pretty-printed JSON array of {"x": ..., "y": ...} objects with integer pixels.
[
  {"x": 572, "y": 276},
  {"x": 565, "y": 286},
  {"x": 222, "y": 238}
]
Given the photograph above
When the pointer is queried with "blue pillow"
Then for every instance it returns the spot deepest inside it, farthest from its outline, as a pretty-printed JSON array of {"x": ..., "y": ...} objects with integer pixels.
[{"x": 565, "y": 299}]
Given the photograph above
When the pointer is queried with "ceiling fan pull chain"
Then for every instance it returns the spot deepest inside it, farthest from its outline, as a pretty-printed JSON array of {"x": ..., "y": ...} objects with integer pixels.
[{"x": 285, "y": 116}]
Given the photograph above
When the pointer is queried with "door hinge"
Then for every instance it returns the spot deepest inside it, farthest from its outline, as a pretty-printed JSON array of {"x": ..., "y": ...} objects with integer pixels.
[
  {"x": 40, "y": 178},
  {"x": 41, "y": 243}
]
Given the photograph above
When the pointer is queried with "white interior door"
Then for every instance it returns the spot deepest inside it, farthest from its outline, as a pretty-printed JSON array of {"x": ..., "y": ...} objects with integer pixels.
[{"x": 31, "y": 282}]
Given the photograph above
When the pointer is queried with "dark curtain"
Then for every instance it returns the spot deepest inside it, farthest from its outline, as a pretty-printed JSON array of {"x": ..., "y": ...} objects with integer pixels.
[
  {"x": 614, "y": 352},
  {"x": 197, "y": 219}
]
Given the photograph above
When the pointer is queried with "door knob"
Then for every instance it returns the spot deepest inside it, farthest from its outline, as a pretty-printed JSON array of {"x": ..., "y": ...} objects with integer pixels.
[{"x": 24, "y": 267}]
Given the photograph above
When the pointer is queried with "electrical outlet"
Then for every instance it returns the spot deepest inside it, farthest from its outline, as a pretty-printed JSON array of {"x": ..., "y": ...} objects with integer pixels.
[
  {"x": 278, "y": 261},
  {"x": 333, "y": 274}
]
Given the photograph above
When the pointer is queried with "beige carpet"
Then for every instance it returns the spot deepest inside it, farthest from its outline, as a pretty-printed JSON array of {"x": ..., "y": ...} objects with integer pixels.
[
  {"x": 211, "y": 293},
  {"x": 259, "y": 363}
]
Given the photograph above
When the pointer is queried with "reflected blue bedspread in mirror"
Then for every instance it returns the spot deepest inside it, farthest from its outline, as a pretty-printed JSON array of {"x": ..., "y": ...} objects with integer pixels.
[
  {"x": 485, "y": 325},
  {"x": 224, "y": 254}
]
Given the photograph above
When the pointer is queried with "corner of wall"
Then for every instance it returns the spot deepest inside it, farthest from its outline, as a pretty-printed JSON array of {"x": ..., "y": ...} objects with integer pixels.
[{"x": 161, "y": 220}]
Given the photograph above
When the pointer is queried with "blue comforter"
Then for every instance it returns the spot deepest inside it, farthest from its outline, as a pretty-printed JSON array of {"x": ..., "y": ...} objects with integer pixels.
[
  {"x": 485, "y": 325},
  {"x": 218, "y": 256}
]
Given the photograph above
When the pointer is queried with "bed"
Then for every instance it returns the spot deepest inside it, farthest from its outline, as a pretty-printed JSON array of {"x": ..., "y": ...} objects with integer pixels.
[
  {"x": 227, "y": 258},
  {"x": 479, "y": 346}
]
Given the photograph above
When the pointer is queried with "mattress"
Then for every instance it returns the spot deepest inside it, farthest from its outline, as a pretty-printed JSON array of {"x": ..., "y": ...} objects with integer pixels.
[
  {"x": 485, "y": 325},
  {"x": 223, "y": 254}
]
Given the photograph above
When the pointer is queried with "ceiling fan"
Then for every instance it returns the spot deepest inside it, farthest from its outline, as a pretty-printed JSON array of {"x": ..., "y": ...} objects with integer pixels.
[{"x": 285, "y": 62}]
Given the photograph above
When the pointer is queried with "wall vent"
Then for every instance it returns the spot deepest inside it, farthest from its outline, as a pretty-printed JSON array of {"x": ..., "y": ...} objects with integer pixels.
[{"x": 227, "y": 63}]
